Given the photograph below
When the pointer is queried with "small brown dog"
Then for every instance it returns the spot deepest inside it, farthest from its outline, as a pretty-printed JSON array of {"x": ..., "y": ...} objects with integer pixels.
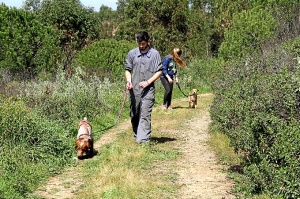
[
  {"x": 84, "y": 143},
  {"x": 193, "y": 99}
]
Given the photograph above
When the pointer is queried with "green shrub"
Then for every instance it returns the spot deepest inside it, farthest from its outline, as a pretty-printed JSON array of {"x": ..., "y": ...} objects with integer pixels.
[
  {"x": 106, "y": 57},
  {"x": 69, "y": 100},
  {"x": 257, "y": 105},
  {"x": 249, "y": 30},
  {"x": 32, "y": 149},
  {"x": 38, "y": 126},
  {"x": 26, "y": 44}
]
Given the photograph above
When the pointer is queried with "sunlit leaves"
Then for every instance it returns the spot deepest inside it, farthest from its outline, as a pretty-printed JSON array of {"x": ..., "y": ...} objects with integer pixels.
[
  {"x": 248, "y": 31},
  {"x": 26, "y": 44},
  {"x": 105, "y": 56},
  {"x": 166, "y": 21}
]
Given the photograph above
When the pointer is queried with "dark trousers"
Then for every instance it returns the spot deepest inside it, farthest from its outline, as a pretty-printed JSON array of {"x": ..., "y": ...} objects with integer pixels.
[{"x": 168, "y": 91}]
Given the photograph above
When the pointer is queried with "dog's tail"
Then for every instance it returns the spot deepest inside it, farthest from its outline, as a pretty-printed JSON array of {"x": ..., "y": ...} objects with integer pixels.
[{"x": 85, "y": 118}]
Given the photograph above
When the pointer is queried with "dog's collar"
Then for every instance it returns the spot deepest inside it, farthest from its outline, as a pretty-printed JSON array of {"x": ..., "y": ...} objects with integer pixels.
[{"x": 82, "y": 135}]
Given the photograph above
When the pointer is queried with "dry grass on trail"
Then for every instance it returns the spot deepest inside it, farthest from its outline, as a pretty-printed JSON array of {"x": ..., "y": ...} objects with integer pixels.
[
  {"x": 198, "y": 173},
  {"x": 192, "y": 172},
  {"x": 65, "y": 185}
]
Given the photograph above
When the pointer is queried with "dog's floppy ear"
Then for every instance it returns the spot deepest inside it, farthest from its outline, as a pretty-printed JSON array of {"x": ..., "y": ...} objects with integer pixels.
[{"x": 76, "y": 144}]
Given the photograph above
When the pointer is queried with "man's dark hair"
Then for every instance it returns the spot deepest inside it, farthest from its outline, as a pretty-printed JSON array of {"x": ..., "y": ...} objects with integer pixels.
[{"x": 142, "y": 36}]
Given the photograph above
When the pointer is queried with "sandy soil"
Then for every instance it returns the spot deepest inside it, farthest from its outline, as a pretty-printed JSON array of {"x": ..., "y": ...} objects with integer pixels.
[{"x": 199, "y": 173}]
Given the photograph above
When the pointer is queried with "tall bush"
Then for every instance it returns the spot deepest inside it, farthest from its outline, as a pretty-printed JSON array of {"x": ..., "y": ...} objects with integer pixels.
[
  {"x": 248, "y": 31},
  {"x": 106, "y": 57},
  {"x": 27, "y": 45},
  {"x": 38, "y": 126},
  {"x": 257, "y": 106},
  {"x": 32, "y": 149},
  {"x": 166, "y": 21},
  {"x": 68, "y": 100}
]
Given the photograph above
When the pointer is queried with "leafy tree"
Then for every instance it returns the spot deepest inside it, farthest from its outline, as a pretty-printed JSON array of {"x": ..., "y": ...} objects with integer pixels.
[
  {"x": 78, "y": 25},
  {"x": 249, "y": 30},
  {"x": 106, "y": 58},
  {"x": 166, "y": 21},
  {"x": 32, "y": 5},
  {"x": 108, "y": 22},
  {"x": 200, "y": 31},
  {"x": 26, "y": 44},
  {"x": 223, "y": 12}
]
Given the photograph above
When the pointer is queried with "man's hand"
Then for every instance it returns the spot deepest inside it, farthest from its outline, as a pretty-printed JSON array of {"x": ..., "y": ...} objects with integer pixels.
[
  {"x": 128, "y": 85},
  {"x": 144, "y": 84}
]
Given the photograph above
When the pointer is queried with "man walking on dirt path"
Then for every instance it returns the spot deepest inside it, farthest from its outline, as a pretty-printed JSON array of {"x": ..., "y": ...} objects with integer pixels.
[{"x": 143, "y": 67}]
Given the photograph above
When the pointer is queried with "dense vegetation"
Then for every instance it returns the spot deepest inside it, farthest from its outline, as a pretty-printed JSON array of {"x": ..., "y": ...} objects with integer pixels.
[
  {"x": 61, "y": 61},
  {"x": 257, "y": 97}
]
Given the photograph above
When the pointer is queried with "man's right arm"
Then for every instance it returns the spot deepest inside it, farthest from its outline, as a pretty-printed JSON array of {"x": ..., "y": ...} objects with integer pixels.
[
  {"x": 128, "y": 79},
  {"x": 128, "y": 69}
]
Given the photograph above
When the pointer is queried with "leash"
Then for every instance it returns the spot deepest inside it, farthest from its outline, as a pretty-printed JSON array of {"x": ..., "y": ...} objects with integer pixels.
[
  {"x": 120, "y": 113},
  {"x": 181, "y": 90},
  {"x": 122, "y": 107}
]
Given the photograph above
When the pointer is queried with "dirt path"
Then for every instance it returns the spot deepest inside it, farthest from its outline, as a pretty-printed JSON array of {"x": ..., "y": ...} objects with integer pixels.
[
  {"x": 199, "y": 174},
  {"x": 65, "y": 185}
]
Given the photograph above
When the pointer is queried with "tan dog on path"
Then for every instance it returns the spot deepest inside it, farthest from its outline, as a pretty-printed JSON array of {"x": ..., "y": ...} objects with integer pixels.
[
  {"x": 84, "y": 143},
  {"x": 193, "y": 99}
]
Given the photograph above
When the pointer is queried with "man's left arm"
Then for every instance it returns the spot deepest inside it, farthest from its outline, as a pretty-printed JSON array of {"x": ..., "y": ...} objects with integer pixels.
[
  {"x": 146, "y": 83},
  {"x": 154, "y": 77},
  {"x": 158, "y": 68}
]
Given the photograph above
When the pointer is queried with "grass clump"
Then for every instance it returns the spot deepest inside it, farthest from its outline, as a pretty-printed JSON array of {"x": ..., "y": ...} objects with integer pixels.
[
  {"x": 39, "y": 123},
  {"x": 124, "y": 169}
]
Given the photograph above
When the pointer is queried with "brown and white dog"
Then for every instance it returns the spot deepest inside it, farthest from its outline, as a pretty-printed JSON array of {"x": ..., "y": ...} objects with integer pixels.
[
  {"x": 193, "y": 99},
  {"x": 84, "y": 143}
]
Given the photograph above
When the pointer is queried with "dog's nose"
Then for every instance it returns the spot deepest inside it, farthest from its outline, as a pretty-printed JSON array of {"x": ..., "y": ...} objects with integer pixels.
[{"x": 79, "y": 154}]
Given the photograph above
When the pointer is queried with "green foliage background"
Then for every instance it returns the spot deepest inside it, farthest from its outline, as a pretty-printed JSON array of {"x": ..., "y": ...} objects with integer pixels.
[
  {"x": 26, "y": 44},
  {"x": 39, "y": 127},
  {"x": 61, "y": 61},
  {"x": 257, "y": 99},
  {"x": 106, "y": 58}
]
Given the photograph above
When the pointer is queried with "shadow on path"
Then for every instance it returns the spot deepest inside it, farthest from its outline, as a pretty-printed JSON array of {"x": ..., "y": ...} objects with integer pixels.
[{"x": 162, "y": 139}]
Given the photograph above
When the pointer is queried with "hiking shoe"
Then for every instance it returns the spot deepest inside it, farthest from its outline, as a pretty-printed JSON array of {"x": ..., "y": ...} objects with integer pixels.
[
  {"x": 170, "y": 108},
  {"x": 163, "y": 107}
]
